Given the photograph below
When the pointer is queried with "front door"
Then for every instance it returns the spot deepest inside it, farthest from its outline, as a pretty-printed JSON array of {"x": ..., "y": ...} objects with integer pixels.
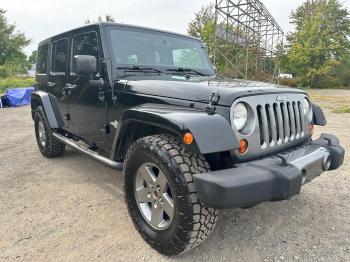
[{"x": 87, "y": 105}]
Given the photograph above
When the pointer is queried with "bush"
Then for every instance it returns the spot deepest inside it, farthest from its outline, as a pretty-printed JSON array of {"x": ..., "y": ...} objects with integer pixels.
[
  {"x": 327, "y": 82},
  {"x": 292, "y": 82},
  {"x": 9, "y": 70},
  {"x": 12, "y": 82}
]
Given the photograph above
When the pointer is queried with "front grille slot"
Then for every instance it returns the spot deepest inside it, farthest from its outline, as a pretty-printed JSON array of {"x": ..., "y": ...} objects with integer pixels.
[
  {"x": 291, "y": 121},
  {"x": 297, "y": 119},
  {"x": 280, "y": 122},
  {"x": 264, "y": 126},
  {"x": 301, "y": 118},
  {"x": 280, "y": 129}
]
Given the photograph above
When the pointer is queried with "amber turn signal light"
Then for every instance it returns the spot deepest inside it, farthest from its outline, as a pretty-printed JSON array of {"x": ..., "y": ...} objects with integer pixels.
[
  {"x": 188, "y": 138},
  {"x": 243, "y": 146}
]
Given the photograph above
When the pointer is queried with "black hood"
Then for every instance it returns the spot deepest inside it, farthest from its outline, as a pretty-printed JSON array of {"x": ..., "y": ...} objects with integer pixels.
[{"x": 200, "y": 91}]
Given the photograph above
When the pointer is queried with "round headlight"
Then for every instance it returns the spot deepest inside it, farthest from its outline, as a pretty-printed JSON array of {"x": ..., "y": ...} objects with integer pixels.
[
  {"x": 240, "y": 116},
  {"x": 306, "y": 106}
]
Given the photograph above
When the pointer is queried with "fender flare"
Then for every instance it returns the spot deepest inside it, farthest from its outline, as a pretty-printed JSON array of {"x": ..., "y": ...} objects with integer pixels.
[
  {"x": 50, "y": 106},
  {"x": 318, "y": 118},
  {"x": 212, "y": 132}
]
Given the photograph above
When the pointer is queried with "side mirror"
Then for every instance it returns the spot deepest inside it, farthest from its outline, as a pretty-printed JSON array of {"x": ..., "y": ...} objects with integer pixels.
[{"x": 85, "y": 64}]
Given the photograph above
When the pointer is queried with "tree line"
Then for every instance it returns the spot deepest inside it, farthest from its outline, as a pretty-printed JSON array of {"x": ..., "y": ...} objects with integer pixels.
[
  {"x": 13, "y": 60},
  {"x": 316, "y": 53}
]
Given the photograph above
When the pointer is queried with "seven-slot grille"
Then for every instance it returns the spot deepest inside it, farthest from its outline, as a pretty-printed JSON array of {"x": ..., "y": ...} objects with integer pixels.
[{"x": 280, "y": 122}]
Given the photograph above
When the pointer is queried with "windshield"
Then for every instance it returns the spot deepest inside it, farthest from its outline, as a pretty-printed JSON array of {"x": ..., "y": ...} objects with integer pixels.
[{"x": 146, "y": 48}]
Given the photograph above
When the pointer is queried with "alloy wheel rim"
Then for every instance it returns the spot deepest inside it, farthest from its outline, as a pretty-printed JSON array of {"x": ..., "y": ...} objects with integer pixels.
[
  {"x": 41, "y": 133},
  {"x": 153, "y": 196}
]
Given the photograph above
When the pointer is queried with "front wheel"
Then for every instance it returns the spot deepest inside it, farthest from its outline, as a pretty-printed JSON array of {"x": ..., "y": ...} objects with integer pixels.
[{"x": 161, "y": 196}]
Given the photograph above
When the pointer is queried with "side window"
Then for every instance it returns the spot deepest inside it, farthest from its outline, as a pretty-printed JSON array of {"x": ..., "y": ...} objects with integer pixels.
[
  {"x": 85, "y": 44},
  {"x": 41, "y": 65},
  {"x": 59, "y": 56}
]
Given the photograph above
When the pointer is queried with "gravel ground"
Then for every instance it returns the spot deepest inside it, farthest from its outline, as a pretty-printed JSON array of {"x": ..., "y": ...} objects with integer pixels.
[{"x": 72, "y": 209}]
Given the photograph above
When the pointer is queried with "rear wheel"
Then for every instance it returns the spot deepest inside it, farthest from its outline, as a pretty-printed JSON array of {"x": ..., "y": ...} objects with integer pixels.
[
  {"x": 161, "y": 196},
  {"x": 48, "y": 145}
]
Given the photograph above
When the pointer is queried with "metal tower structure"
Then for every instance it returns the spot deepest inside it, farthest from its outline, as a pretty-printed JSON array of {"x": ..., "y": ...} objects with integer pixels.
[{"x": 247, "y": 38}]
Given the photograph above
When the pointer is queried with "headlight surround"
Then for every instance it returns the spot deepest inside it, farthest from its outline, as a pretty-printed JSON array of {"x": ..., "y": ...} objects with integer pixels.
[
  {"x": 306, "y": 106},
  {"x": 307, "y": 109},
  {"x": 240, "y": 116}
]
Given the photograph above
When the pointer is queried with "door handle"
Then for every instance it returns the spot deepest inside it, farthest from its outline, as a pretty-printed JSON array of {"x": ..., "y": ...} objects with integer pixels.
[
  {"x": 50, "y": 84},
  {"x": 70, "y": 87}
]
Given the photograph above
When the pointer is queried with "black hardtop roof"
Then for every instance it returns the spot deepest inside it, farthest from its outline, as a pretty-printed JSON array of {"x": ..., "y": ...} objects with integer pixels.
[{"x": 116, "y": 24}]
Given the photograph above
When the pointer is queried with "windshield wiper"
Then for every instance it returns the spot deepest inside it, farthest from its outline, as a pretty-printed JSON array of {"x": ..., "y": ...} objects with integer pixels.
[
  {"x": 185, "y": 70},
  {"x": 139, "y": 69}
]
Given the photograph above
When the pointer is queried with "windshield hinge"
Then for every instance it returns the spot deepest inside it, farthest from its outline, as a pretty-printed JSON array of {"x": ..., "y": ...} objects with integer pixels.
[{"x": 213, "y": 100}]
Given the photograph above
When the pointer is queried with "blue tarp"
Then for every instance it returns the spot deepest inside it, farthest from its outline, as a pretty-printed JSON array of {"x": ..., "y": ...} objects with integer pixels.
[{"x": 16, "y": 97}]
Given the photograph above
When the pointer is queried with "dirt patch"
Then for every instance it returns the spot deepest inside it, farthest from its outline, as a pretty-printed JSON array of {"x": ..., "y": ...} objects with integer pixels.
[
  {"x": 72, "y": 209},
  {"x": 335, "y": 100}
]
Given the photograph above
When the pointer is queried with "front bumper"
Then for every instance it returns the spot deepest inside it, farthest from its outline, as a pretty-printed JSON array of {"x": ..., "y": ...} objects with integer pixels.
[{"x": 275, "y": 178}]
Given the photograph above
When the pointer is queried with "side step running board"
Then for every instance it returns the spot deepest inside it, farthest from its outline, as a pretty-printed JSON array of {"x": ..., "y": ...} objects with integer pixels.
[{"x": 90, "y": 153}]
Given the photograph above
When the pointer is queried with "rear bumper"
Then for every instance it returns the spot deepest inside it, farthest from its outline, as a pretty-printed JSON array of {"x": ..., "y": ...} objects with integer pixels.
[{"x": 275, "y": 178}]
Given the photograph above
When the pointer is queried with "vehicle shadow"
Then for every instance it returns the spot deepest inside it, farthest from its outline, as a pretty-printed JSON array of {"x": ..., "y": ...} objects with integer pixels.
[
  {"x": 265, "y": 232},
  {"x": 110, "y": 180},
  {"x": 256, "y": 234}
]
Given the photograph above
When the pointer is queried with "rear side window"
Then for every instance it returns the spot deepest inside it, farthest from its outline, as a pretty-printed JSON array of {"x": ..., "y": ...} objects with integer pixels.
[
  {"x": 41, "y": 65},
  {"x": 85, "y": 44},
  {"x": 59, "y": 56}
]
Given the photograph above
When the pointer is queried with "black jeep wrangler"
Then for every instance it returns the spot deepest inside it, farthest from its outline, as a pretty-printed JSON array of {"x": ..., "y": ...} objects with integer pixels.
[{"x": 148, "y": 102}]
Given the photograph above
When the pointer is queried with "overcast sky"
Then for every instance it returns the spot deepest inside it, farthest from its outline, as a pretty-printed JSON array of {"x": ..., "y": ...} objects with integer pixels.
[{"x": 40, "y": 19}]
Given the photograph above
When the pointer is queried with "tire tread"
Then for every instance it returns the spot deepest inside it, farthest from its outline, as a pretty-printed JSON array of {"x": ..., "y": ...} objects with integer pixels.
[
  {"x": 53, "y": 147},
  {"x": 203, "y": 218}
]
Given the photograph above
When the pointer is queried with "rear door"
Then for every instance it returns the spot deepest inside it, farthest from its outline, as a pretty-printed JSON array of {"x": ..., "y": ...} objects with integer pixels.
[
  {"x": 59, "y": 75},
  {"x": 42, "y": 76}
]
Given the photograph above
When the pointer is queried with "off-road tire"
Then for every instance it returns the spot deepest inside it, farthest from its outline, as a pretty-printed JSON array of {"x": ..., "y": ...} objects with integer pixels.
[
  {"x": 53, "y": 147},
  {"x": 193, "y": 222}
]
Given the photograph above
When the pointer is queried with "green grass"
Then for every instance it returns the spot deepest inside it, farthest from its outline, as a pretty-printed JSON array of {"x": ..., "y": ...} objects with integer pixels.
[
  {"x": 2, "y": 90},
  {"x": 336, "y": 101},
  {"x": 12, "y": 82},
  {"x": 342, "y": 110}
]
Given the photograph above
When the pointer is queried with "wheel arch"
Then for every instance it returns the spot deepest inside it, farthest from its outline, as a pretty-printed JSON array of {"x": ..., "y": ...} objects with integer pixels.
[
  {"x": 134, "y": 129},
  {"x": 318, "y": 117},
  {"x": 50, "y": 106},
  {"x": 212, "y": 132}
]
